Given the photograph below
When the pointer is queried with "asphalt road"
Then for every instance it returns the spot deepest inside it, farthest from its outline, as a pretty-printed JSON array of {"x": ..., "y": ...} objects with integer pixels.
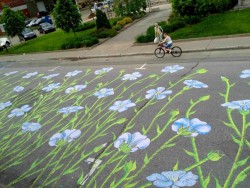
[{"x": 80, "y": 134}]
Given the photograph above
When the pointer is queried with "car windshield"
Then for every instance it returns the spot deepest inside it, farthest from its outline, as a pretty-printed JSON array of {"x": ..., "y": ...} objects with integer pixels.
[
  {"x": 45, "y": 24},
  {"x": 26, "y": 30}
]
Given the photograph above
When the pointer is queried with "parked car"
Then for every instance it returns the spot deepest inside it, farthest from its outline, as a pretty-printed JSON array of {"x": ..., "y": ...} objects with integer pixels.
[
  {"x": 27, "y": 34},
  {"x": 4, "y": 43},
  {"x": 43, "y": 20},
  {"x": 46, "y": 28},
  {"x": 99, "y": 6},
  {"x": 32, "y": 22}
]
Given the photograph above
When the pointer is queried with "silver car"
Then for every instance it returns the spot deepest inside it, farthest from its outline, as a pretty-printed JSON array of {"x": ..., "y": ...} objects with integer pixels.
[{"x": 4, "y": 43}]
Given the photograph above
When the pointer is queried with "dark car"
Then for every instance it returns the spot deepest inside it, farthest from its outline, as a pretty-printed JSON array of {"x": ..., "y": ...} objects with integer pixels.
[
  {"x": 46, "y": 28},
  {"x": 27, "y": 34}
]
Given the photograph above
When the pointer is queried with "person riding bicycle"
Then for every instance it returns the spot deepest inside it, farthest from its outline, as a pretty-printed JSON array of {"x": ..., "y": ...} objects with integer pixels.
[{"x": 167, "y": 42}]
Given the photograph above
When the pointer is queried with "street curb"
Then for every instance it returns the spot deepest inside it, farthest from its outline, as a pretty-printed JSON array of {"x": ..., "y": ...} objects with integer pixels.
[{"x": 152, "y": 53}]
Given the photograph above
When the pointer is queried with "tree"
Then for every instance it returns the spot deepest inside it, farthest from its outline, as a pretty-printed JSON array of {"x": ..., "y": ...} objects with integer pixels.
[
  {"x": 102, "y": 20},
  {"x": 66, "y": 15},
  {"x": 14, "y": 21}
]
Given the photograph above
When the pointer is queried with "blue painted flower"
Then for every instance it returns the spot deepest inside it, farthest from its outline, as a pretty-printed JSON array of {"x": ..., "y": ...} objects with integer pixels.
[
  {"x": 242, "y": 105},
  {"x": 4, "y": 105},
  {"x": 30, "y": 74},
  {"x": 64, "y": 137},
  {"x": 70, "y": 109},
  {"x": 121, "y": 106},
  {"x": 174, "y": 179},
  {"x": 75, "y": 88},
  {"x": 74, "y": 73},
  {"x": 132, "y": 76},
  {"x": 30, "y": 126},
  {"x": 10, "y": 73},
  {"x": 195, "y": 84},
  {"x": 128, "y": 142},
  {"x": 172, "y": 69},
  {"x": 104, "y": 93},
  {"x": 51, "y": 87},
  {"x": 19, "y": 111},
  {"x": 157, "y": 93},
  {"x": 245, "y": 74},
  {"x": 103, "y": 70},
  {"x": 18, "y": 88},
  {"x": 50, "y": 76},
  {"x": 194, "y": 126}
]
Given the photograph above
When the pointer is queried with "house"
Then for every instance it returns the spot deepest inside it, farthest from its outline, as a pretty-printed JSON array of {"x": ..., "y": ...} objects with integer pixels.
[
  {"x": 15, "y": 5},
  {"x": 35, "y": 6}
]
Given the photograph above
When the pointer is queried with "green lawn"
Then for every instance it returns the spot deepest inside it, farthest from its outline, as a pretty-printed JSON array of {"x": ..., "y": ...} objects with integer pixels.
[{"x": 229, "y": 23}]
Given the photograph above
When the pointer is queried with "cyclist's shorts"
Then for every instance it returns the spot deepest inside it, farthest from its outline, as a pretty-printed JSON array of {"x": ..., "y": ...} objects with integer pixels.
[{"x": 167, "y": 45}]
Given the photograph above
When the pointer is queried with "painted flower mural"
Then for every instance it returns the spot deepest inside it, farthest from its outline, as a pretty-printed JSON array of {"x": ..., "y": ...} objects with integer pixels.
[
  {"x": 128, "y": 142},
  {"x": 174, "y": 179},
  {"x": 18, "y": 88},
  {"x": 172, "y": 69},
  {"x": 245, "y": 74},
  {"x": 66, "y": 136},
  {"x": 242, "y": 105},
  {"x": 51, "y": 87},
  {"x": 30, "y": 127},
  {"x": 17, "y": 112},
  {"x": 50, "y": 76},
  {"x": 4, "y": 105},
  {"x": 73, "y": 73},
  {"x": 104, "y": 93},
  {"x": 158, "y": 93},
  {"x": 193, "y": 126},
  {"x": 133, "y": 76},
  {"x": 121, "y": 106},
  {"x": 195, "y": 84},
  {"x": 75, "y": 88},
  {"x": 30, "y": 74},
  {"x": 103, "y": 70},
  {"x": 70, "y": 109}
]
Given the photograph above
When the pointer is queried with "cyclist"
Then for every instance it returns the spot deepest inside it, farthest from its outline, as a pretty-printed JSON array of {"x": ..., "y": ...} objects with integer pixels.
[{"x": 167, "y": 42}]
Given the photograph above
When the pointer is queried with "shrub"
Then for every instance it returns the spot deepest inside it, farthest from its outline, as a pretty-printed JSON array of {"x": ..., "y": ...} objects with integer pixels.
[
  {"x": 117, "y": 27},
  {"x": 101, "y": 20},
  {"x": 106, "y": 33},
  {"x": 145, "y": 38},
  {"x": 80, "y": 42},
  {"x": 127, "y": 20},
  {"x": 85, "y": 26},
  {"x": 121, "y": 22}
]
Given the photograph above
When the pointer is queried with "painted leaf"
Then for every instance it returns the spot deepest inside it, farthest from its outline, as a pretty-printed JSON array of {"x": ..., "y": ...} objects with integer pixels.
[
  {"x": 70, "y": 171},
  {"x": 80, "y": 179},
  {"x": 204, "y": 98},
  {"x": 146, "y": 185},
  {"x": 158, "y": 130},
  {"x": 243, "y": 162},
  {"x": 217, "y": 183},
  {"x": 241, "y": 177},
  {"x": 206, "y": 181},
  {"x": 33, "y": 165},
  {"x": 248, "y": 143},
  {"x": 129, "y": 166},
  {"x": 235, "y": 140},
  {"x": 131, "y": 185},
  {"x": 189, "y": 153},
  {"x": 146, "y": 160},
  {"x": 176, "y": 166}
]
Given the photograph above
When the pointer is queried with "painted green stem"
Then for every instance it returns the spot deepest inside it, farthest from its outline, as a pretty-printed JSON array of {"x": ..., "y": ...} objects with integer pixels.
[
  {"x": 196, "y": 164},
  {"x": 240, "y": 149},
  {"x": 197, "y": 160}
]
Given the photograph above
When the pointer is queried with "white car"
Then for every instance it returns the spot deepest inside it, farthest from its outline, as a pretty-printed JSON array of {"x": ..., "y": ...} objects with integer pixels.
[
  {"x": 4, "y": 43},
  {"x": 100, "y": 6}
]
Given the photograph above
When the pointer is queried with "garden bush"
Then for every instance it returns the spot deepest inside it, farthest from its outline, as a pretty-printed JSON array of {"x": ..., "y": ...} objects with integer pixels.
[
  {"x": 105, "y": 33},
  {"x": 145, "y": 38},
  {"x": 80, "y": 42},
  {"x": 117, "y": 27},
  {"x": 121, "y": 22},
  {"x": 102, "y": 20},
  {"x": 127, "y": 20},
  {"x": 85, "y": 26}
]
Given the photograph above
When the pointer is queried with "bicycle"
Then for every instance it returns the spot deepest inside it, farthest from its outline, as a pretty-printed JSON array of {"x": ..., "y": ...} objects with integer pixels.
[{"x": 160, "y": 52}]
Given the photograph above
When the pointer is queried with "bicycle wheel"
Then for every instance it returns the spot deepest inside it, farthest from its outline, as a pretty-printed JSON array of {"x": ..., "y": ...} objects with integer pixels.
[
  {"x": 176, "y": 51},
  {"x": 159, "y": 53}
]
